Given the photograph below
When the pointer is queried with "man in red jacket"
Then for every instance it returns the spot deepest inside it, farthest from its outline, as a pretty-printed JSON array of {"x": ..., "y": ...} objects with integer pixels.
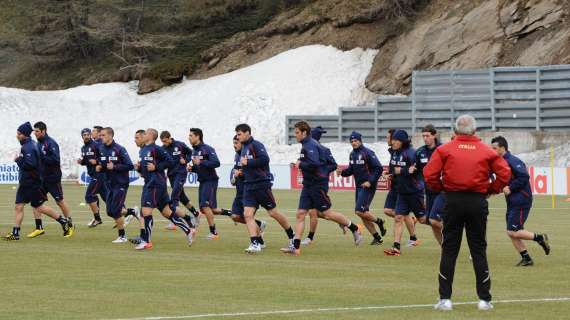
[{"x": 462, "y": 169}]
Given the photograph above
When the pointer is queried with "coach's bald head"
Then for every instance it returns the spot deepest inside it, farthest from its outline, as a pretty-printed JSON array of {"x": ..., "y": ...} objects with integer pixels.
[{"x": 151, "y": 135}]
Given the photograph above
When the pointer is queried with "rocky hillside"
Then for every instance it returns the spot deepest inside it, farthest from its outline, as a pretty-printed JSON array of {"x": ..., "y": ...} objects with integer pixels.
[{"x": 50, "y": 44}]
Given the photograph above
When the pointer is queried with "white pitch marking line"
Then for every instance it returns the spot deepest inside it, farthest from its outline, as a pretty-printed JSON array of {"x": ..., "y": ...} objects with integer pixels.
[{"x": 277, "y": 312}]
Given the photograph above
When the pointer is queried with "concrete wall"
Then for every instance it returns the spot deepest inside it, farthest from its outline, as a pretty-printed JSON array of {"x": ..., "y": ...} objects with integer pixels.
[{"x": 519, "y": 141}]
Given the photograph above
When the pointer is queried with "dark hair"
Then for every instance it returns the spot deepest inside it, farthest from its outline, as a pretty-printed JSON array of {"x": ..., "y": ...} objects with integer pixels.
[
  {"x": 110, "y": 130},
  {"x": 236, "y": 138},
  {"x": 140, "y": 131},
  {"x": 429, "y": 128},
  {"x": 198, "y": 132},
  {"x": 40, "y": 125},
  {"x": 98, "y": 128},
  {"x": 165, "y": 135},
  {"x": 303, "y": 126},
  {"x": 243, "y": 127},
  {"x": 501, "y": 141}
]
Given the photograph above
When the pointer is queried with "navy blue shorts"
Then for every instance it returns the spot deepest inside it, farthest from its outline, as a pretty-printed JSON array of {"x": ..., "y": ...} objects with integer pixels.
[
  {"x": 516, "y": 217},
  {"x": 116, "y": 196},
  {"x": 155, "y": 198},
  {"x": 413, "y": 202},
  {"x": 55, "y": 189},
  {"x": 364, "y": 197},
  {"x": 315, "y": 197},
  {"x": 207, "y": 194},
  {"x": 391, "y": 199},
  {"x": 178, "y": 195},
  {"x": 256, "y": 198},
  {"x": 435, "y": 203},
  {"x": 34, "y": 195},
  {"x": 95, "y": 187}
]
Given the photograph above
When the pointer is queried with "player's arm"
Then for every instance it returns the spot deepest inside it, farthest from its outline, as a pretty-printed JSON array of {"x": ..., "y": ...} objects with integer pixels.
[
  {"x": 261, "y": 157},
  {"x": 349, "y": 170},
  {"x": 311, "y": 160},
  {"x": 165, "y": 160},
  {"x": 212, "y": 162},
  {"x": 52, "y": 155},
  {"x": 28, "y": 161},
  {"x": 502, "y": 172},
  {"x": 410, "y": 161},
  {"x": 375, "y": 167},
  {"x": 520, "y": 176},
  {"x": 125, "y": 164}
]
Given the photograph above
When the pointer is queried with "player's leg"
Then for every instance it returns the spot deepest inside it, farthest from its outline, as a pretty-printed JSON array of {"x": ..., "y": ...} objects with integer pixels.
[
  {"x": 115, "y": 204},
  {"x": 390, "y": 204},
  {"x": 206, "y": 195},
  {"x": 92, "y": 200},
  {"x": 402, "y": 210},
  {"x": 18, "y": 218},
  {"x": 56, "y": 191},
  {"x": 313, "y": 223},
  {"x": 299, "y": 229}
]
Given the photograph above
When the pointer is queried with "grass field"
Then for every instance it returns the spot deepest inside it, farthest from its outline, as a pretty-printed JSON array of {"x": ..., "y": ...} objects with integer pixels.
[{"x": 87, "y": 277}]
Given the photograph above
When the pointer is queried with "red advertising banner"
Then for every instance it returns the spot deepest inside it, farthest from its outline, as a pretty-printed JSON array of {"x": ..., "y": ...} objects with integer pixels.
[{"x": 336, "y": 182}]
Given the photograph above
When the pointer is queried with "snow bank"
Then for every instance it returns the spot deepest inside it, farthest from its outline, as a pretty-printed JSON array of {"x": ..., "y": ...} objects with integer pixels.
[
  {"x": 541, "y": 158},
  {"x": 308, "y": 80}
]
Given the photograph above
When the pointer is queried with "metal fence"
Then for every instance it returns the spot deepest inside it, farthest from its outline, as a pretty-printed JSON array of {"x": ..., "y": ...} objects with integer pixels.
[{"x": 535, "y": 98}]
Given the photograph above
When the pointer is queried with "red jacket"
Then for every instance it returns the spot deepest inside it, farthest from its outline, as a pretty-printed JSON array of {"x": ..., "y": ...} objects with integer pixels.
[{"x": 465, "y": 165}]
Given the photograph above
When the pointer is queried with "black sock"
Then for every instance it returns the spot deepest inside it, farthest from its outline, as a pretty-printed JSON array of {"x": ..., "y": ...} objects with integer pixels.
[
  {"x": 261, "y": 241},
  {"x": 525, "y": 255},
  {"x": 61, "y": 219},
  {"x": 130, "y": 212},
  {"x": 311, "y": 235},
  {"x": 148, "y": 223},
  {"x": 352, "y": 227},
  {"x": 16, "y": 231},
  {"x": 122, "y": 233},
  {"x": 69, "y": 221},
  {"x": 290, "y": 233},
  {"x": 142, "y": 232},
  {"x": 378, "y": 221},
  {"x": 413, "y": 237},
  {"x": 213, "y": 229},
  {"x": 253, "y": 240},
  {"x": 193, "y": 211},
  {"x": 297, "y": 243},
  {"x": 377, "y": 236},
  {"x": 258, "y": 222},
  {"x": 97, "y": 216},
  {"x": 226, "y": 212},
  {"x": 397, "y": 245},
  {"x": 538, "y": 237},
  {"x": 39, "y": 224},
  {"x": 179, "y": 222},
  {"x": 188, "y": 220}
]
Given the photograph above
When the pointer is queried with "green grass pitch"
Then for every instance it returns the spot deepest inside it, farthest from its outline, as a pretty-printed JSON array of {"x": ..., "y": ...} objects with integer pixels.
[{"x": 88, "y": 277}]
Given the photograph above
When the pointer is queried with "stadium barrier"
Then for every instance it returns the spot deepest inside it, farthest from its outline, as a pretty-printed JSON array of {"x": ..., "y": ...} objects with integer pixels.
[{"x": 542, "y": 179}]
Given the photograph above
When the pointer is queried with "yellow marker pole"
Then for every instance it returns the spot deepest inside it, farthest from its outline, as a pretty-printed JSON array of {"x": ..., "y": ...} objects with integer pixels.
[{"x": 552, "y": 175}]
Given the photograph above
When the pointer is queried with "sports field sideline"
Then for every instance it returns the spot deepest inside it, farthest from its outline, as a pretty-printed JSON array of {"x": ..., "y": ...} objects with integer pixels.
[{"x": 88, "y": 277}]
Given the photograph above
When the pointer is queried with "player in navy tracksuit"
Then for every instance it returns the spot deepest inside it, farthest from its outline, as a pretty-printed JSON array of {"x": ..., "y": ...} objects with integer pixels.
[
  {"x": 314, "y": 195},
  {"x": 519, "y": 201},
  {"x": 257, "y": 187},
  {"x": 314, "y": 215},
  {"x": 49, "y": 152},
  {"x": 392, "y": 196},
  {"x": 366, "y": 169},
  {"x": 236, "y": 178},
  {"x": 152, "y": 165},
  {"x": 435, "y": 201},
  {"x": 115, "y": 163},
  {"x": 178, "y": 174},
  {"x": 409, "y": 186},
  {"x": 96, "y": 183},
  {"x": 30, "y": 185},
  {"x": 204, "y": 163}
]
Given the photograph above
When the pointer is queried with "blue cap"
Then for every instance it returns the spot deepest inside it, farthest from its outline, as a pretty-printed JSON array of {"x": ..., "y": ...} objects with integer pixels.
[
  {"x": 401, "y": 135},
  {"x": 26, "y": 129},
  {"x": 356, "y": 136},
  {"x": 85, "y": 130},
  {"x": 317, "y": 132}
]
